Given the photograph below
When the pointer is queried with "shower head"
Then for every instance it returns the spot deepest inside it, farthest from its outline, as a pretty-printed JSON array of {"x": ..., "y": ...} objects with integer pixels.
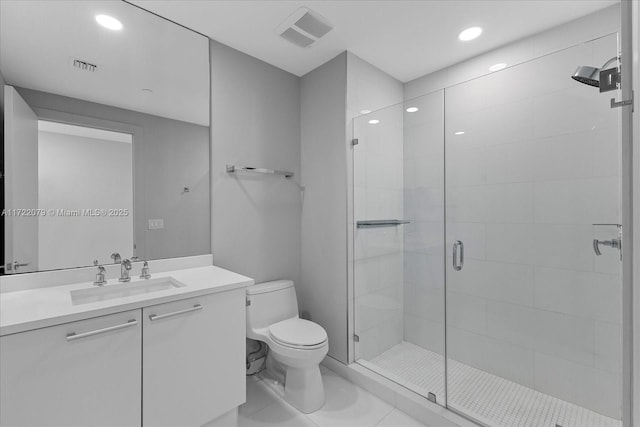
[
  {"x": 587, "y": 75},
  {"x": 591, "y": 75}
]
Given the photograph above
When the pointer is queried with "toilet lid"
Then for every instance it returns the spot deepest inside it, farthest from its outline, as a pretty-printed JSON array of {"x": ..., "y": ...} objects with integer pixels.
[{"x": 297, "y": 332}]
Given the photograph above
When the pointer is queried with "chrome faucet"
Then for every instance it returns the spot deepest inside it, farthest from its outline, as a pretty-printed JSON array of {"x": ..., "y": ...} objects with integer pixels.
[
  {"x": 116, "y": 258},
  {"x": 100, "y": 280},
  {"x": 125, "y": 268},
  {"x": 144, "y": 274}
]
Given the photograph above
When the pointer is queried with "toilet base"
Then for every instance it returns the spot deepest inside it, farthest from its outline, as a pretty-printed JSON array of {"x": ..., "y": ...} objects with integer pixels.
[{"x": 303, "y": 388}]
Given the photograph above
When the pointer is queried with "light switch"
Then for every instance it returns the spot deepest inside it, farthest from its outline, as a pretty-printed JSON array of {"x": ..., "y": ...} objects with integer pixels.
[{"x": 156, "y": 224}]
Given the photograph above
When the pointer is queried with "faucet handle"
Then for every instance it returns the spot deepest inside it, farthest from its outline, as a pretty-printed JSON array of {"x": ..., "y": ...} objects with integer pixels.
[
  {"x": 100, "y": 279},
  {"x": 116, "y": 258},
  {"x": 144, "y": 274}
]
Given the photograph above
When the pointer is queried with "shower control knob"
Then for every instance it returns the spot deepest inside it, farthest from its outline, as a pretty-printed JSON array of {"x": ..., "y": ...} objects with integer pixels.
[{"x": 613, "y": 243}]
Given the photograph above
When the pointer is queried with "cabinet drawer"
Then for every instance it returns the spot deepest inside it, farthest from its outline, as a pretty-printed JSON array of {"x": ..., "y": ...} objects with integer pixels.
[
  {"x": 193, "y": 360},
  {"x": 82, "y": 373}
]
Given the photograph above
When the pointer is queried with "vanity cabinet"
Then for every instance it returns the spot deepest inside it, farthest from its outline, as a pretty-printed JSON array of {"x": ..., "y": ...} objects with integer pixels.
[
  {"x": 81, "y": 373},
  {"x": 179, "y": 363},
  {"x": 193, "y": 361}
]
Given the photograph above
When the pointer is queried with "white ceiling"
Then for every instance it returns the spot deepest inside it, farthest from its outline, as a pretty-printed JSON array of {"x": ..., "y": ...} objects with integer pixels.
[
  {"x": 406, "y": 39},
  {"x": 38, "y": 38}
]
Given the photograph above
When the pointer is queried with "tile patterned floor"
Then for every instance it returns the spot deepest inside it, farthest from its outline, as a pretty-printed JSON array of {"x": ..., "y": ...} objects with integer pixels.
[
  {"x": 489, "y": 398},
  {"x": 346, "y": 405}
]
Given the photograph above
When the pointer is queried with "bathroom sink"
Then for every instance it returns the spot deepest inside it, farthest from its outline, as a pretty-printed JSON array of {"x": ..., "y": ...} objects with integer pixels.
[{"x": 108, "y": 292}]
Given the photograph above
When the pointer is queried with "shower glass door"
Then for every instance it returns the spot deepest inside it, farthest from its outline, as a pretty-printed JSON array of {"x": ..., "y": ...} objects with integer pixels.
[
  {"x": 398, "y": 175},
  {"x": 533, "y": 320}
]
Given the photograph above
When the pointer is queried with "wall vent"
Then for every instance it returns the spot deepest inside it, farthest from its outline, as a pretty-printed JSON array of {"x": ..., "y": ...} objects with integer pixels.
[
  {"x": 304, "y": 27},
  {"x": 83, "y": 65}
]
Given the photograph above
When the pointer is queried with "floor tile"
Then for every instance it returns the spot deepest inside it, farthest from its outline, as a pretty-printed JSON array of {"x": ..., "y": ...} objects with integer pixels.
[
  {"x": 277, "y": 414},
  {"x": 398, "y": 418},
  {"x": 259, "y": 396},
  {"x": 348, "y": 405}
]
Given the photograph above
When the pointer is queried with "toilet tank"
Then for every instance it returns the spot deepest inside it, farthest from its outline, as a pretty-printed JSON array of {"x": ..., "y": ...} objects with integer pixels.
[{"x": 270, "y": 302}]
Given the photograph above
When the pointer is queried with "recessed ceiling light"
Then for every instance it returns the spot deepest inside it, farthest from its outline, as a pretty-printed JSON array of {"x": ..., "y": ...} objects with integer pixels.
[
  {"x": 109, "y": 22},
  {"x": 497, "y": 67},
  {"x": 374, "y": 121},
  {"x": 459, "y": 133},
  {"x": 412, "y": 109},
  {"x": 365, "y": 111},
  {"x": 470, "y": 34}
]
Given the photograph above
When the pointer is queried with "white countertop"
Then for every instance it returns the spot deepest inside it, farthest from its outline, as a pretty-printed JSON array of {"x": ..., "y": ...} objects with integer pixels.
[{"x": 38, "y": 308}]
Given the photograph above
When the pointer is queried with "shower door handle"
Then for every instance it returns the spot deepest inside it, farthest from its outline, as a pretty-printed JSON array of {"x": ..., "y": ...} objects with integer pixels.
[{"x": 458, "y": 255}]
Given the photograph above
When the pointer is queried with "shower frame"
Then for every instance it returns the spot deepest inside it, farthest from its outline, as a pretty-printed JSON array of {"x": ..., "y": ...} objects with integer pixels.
[{"x": 628, "y": 11}]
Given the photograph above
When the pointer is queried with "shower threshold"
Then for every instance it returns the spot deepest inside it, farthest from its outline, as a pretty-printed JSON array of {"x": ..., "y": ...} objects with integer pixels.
[{"x": 488, "y": 398}]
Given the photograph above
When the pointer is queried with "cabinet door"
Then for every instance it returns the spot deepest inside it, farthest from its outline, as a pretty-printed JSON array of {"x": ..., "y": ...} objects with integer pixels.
[
  {"x": 193, "y": 359},
  {"x": 84, "y": 373}
]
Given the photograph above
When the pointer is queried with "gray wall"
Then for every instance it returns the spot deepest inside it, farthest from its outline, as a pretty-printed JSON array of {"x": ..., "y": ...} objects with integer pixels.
[
  {"x": 67, "y": 161},
  {"x": 323, "y": 291},
  {"x": 168, "y": 156},
  {"x": 2, "y": 83},
  {"x": 331, "y": 95},
  {"x": 255, "y": 121},
  {"x": 636, "y": 210}
]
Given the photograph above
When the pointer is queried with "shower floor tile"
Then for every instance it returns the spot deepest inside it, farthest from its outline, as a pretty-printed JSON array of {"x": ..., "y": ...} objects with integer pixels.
[{"x": 491, "y": 399}]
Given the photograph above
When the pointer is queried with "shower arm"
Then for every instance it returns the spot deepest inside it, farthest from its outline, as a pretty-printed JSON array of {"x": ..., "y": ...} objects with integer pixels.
[{"x": 615, "y": 58}]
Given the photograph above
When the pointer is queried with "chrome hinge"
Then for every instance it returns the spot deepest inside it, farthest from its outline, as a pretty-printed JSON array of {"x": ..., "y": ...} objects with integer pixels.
[
  {"x": 622, "y": 103},
  {"x": 431, "y": 397},
  {"x": 354, "y": 141},
  {"x": 247, "y": 302},
  {"x": 356, "y": 338}
]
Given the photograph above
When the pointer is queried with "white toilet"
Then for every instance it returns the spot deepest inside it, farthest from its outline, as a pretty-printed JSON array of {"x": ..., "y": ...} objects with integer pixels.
[{"x": 296, "y": 346}]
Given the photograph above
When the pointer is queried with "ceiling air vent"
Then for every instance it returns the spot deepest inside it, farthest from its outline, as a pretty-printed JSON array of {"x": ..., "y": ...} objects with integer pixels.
[
  {"x": 304, "y": 27},
  {"x": 83, "y": 65}
]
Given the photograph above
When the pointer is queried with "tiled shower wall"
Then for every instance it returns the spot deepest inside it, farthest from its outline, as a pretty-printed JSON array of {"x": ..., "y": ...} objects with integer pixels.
[
  {"x": 536, "y": 167},
  {"x": 378, "y": 194}
]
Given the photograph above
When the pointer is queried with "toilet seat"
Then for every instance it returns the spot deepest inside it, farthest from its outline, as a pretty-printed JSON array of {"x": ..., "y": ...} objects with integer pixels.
[{"x": 298, "y": 333}]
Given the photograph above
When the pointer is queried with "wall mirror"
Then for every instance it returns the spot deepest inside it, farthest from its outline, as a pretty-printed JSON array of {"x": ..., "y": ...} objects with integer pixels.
[{"x": 106, "y": 135}]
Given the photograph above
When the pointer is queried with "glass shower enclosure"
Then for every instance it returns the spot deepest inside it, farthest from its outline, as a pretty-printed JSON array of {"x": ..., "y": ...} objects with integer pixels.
[{"x": 479, "y": 213}]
